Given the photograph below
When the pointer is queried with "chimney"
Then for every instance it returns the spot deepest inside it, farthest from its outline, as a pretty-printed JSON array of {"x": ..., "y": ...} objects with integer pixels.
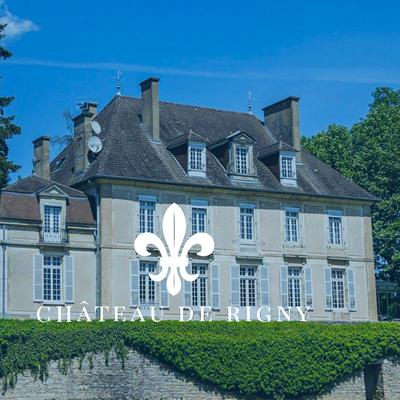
[
  {"x": 151, "y": 107},
  {"x": 282, "y": 119},
  {"x": 41, "y": 152},
  {"x": 82, "y": 134}
]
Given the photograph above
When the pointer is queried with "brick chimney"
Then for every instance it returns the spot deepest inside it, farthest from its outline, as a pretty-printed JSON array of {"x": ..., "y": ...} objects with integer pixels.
[
  {"x": 151, "y": 107},
  {"x": 82, "y": 134},
  {"x": 282, "y": 119},
  {"x": 41, "y": 152}
]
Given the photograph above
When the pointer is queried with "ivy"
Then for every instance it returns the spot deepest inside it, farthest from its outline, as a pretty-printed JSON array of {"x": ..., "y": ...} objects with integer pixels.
[{"x": 270, "y": 359}]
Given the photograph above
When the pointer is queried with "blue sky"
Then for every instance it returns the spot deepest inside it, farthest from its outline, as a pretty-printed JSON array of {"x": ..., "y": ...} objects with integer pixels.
[{"x": 207, "y": 53}]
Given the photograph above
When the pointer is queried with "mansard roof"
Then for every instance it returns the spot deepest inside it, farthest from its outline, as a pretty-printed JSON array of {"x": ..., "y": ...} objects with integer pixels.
[
  {"x": 130, "y": 153},
  {"x": 20, "y": 201}
]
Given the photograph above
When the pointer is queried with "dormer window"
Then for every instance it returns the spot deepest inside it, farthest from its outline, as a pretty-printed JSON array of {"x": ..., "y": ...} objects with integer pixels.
[
  {"x": 242, "y": 160},
  {"x": 235, "y": 153},
  {"x": 197, "y": 159},
  {"x": 288, "y": 169}
]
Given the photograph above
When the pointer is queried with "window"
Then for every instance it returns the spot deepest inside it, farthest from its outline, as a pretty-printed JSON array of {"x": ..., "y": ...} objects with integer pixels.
[
  {"x": 242, "y": 162},
  {"x": 292, "y": 226},
  {"x": 199, "y": 286},
  {"x": 335, "y": 228},
  {"x": 294, "y": 287},
  {"x": 247, "y": 223},
  {"x": 288, "y": 169},
  {"x": 52, "y": 233},
  {"x": 52, "y": 278},
  {"x": 247, "y": 286},
  {"x": 147, "y": 288},
  {"x": 59, "y": 163},
  {"x": 147, "y": 216},
  {"x": 337, "y": 288},
  {"x": 199, "y": 219},
  {"x": 196, "y": 159}
]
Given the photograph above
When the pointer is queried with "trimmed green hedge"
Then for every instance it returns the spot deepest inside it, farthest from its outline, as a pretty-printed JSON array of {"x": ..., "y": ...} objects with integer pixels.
[{"x": 271, "y": 359}]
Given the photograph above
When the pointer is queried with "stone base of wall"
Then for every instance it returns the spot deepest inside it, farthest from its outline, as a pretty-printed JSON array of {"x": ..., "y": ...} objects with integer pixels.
[{"x": 145, "y": 378}]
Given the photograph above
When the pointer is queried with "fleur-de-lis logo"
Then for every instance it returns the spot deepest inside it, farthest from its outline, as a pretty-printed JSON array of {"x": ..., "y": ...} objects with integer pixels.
[{"x": 174, "y": 228}]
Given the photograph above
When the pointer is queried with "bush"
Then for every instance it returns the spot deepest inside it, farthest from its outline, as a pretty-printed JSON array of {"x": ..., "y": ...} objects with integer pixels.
[{"x": 271, "y": 359}]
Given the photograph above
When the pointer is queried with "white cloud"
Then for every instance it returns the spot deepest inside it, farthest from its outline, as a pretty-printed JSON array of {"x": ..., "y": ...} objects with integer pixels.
[
  {"x": 345, "y": 75},
  {"x": 15, "y": 26}
]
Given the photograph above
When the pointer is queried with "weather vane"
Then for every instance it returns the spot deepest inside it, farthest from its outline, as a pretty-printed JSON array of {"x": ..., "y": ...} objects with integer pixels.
[
  {"x": 119, "y": 79},
  {"x": 250, "y": 98}
]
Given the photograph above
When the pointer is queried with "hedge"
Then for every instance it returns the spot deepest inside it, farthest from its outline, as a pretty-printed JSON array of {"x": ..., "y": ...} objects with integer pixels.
[{"x": 271, "y": 359}]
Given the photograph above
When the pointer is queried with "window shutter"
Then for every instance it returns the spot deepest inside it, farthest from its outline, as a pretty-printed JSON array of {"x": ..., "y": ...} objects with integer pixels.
[
  {"x": 188, "y": 290},
  {"x": 309, "y": 287},
  {"x": 215, "y": 302},
  {"x": 38, "y": 277},
  {"x": 352, "y": 290},
  {"x": 164, "y": 298},
  {"x": 235, "y": 286},
  {"x": 69, "y": 279},
  {"x": 328, "y": 288},
  {"x": 134, "y": 283},
  {"x": 264, "y": 285},
  {"x": 284, "y": 286}
]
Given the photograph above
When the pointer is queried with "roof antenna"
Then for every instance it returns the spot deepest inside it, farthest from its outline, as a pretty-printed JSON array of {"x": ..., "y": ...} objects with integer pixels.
[
  {"x": 119, "y": 79},
  {"x": 250, "y": 98}
]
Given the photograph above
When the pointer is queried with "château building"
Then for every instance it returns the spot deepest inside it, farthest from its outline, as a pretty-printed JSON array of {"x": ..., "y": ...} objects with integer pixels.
[{"x": 289, "y": 230}]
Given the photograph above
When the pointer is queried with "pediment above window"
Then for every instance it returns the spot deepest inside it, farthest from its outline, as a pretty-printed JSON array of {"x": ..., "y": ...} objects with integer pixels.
[{"x": 52, "y": 191}]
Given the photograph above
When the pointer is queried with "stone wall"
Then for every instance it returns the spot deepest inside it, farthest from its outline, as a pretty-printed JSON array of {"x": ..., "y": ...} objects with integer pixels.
[{"x": 145, "y": 378}]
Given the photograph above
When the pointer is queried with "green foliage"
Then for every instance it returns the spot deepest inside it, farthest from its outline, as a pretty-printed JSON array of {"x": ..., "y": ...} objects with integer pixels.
[
  {"x": 271, "y": 359},
  {"x": 7, "y": 127},
  {"x": 369, "y": 155}
]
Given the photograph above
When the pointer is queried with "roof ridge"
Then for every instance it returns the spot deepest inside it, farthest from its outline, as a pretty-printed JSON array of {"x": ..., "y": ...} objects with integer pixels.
[
  {"x": 19, "y": 181},
  {"x": 194, "y": 106},
  {"x": 112, "y": 132}
]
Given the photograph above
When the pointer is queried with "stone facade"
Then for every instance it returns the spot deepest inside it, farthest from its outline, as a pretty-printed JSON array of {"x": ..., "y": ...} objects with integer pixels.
[{"x": 145, "y": 378}]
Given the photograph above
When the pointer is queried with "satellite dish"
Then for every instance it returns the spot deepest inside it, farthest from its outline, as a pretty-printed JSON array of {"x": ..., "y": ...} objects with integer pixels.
[
  {"x": 96, "y": 127},
  {"x": 95, "y": 144}
]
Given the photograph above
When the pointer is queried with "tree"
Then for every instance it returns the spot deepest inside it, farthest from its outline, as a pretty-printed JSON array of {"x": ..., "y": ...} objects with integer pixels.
[
  {"x": 65, "y": 140},
  {"x": 7, "y": 127},
  {"x": 370, "y": 153}
]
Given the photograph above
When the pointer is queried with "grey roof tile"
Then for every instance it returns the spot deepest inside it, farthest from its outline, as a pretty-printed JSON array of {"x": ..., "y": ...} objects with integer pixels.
[{"x": 129, "y": 152}]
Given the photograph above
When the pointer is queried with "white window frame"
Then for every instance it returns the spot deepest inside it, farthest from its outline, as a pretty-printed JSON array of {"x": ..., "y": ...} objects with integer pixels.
[
  {"x": 332, "y": 239},
  {"x": 242, "y": 164},
  {"x": 335, "y": 285},
  {"x": 286, "y": 179},
  {"x": 193, "y": 170},
  {"x": 247, "y": 283},
  {"x": 242, "y": 215},
  {"x": 144, "y": 272},
  {"x": 52, "y": 227},
  {"x": 289, "y": 219},
  {"x": 198, "y": 207},
  {"x": 200, "y": 285},
  {"x": 147, "y": 208},
  {"x": 53, "y": 266},
  {"x": 295, "y": 283}
]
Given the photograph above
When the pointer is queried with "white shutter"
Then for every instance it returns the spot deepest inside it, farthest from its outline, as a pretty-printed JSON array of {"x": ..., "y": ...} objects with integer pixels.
[
  {"x": 38, "y": 277},
  {"x": 352, "y": 290},
  {"x": 164, "y": 298},
  {"x": 134, "y": 283},
  {"x": 328, "y": 288},
  {"x": 235, "y": 286},
  {"x": 284, "y": 287},
  {"x": 264, "y": 286},
  {"x": 215, "y": 303},
  {"x": 188, "y": 290},
  {"x": 69, "y": 279},
  {"x": 308, "y": 287}
]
